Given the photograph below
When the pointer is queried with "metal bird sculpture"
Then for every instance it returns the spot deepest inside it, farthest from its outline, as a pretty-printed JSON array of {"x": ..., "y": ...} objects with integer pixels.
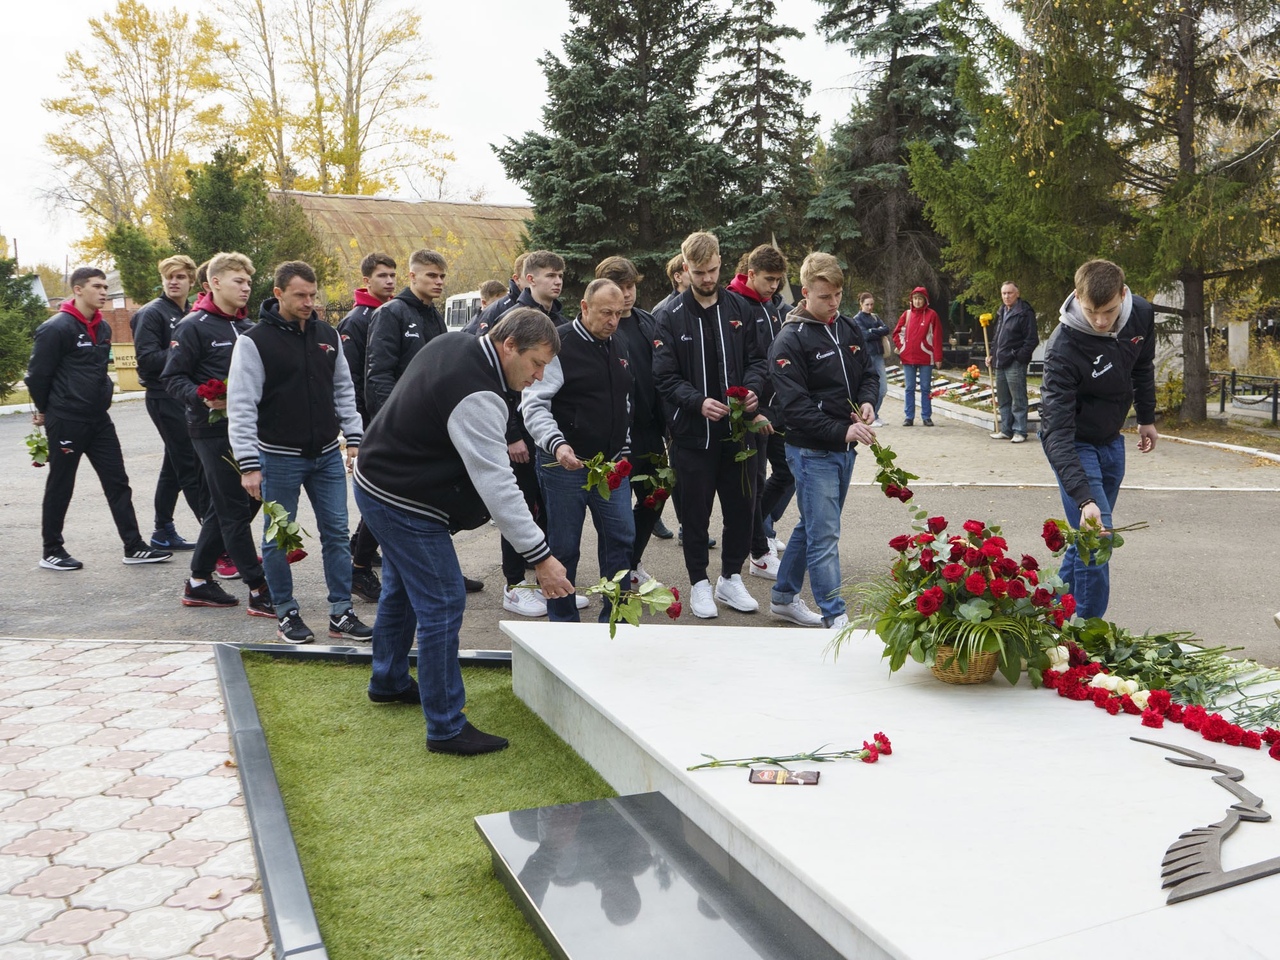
[{"x": 1193, "y": 864}]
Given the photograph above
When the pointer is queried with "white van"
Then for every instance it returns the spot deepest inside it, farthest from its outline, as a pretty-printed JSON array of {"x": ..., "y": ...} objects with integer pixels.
[{"x": 461, "y": 309}]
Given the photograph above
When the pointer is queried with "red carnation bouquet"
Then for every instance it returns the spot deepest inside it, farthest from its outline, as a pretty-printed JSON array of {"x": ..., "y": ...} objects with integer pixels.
[{"x": 213, "y": 390}]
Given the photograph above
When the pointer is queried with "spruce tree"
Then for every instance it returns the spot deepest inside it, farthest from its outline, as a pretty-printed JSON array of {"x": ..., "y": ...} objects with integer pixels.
[
  {"x": 865, "y": 211},
  {"x": 21, "y": 311},
  {"x": 624, "y": 164},
  {"x": 758, "y": 104}
]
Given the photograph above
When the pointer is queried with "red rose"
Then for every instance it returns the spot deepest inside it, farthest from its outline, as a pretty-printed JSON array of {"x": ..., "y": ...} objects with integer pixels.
[
  {"x": 37, "y": 464},
  {"x": 661, "y": 494},
  {"x": 1032, "y": 578},
  {"x": 675, "y": 593},
  {"x": 1029, "y": 562},
  {"x": 614, "y": 480},
  {"x": 1077, "y": 657},
  {"x": 622, "y": 468},
  {"x": 871, "y": 751},
  {"x": 957, "y": 551},
  {"x": 900, "y": 542},
  {"x": 905, "y": 494},
  {"x": 650, "y": 502},
  {"x": 1252, "y": 740},
  {"x": 930, "y": 602},
  {"x": 1006, "y": 567},
  {"x": 1017, "y": 589},
  {"x": 891, "y": 490},
  {"x": 922, "y": 538},
  {"x": 1050, "y": 528},
  {"x": 737, "y": 393},
  {"x": 974, "y": 526},
  {"x": 1152, "y": 718},
  {"x": 1113, "y": 706},
  {"x": 673, "y": 611},
  {"x": 1068, "y": 604},
  {"x": 937, "y": 524},
  {"x": 999, "y": 587},
  {"x": 1042, "y": 598},
  {"x": 1159, "y": 700},
  {"x": 927, "y": 560},
  {"x": 1055, "y": 542},
  {"x": 976, "y": 584},
  {"x": 953, "y": 573},
  {"x": 972, "y": 557},
  {"x": 882, "y": 742}
]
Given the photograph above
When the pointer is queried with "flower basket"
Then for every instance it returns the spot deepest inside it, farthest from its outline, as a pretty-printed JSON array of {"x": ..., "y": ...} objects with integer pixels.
[{"x": 980, "y": 667}]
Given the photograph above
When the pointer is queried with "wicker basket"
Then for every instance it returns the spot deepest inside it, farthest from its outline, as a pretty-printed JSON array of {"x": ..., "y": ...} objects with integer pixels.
[{"x": 981, "y": 666}]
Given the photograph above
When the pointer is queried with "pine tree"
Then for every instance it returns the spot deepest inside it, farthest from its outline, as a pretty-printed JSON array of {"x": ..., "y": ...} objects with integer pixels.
[
  {"x": 865, "y": 211},
  {"x": 757, "y": 102},
  {"x": 625, "y": 165},
  {"x": 21, "y": 311}
]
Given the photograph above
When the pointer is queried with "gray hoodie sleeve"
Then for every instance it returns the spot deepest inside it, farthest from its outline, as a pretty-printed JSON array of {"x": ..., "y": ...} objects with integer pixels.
[
  {"x": 244, "y": 392},
  {"x": 478, "y": 427},
  {"x": 535, "y": 404},
  {"x": 344, "y": 402}
]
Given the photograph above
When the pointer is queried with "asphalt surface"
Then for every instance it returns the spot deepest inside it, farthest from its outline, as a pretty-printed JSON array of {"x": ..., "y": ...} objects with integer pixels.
[{"x": 1207, "y": 564}]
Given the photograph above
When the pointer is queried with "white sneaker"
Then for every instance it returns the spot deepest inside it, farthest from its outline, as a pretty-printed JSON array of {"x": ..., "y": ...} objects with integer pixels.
[
  {"x": 581, "y": 601},
  {"x": 734, "y": 592},
  {"x": 701, "y": 602},
  {"x": 523, "y": 601},
  {"x": 797, "y": 611},
  {"x": 777, "y": 546},
  {"x": 1000, "y": 435},
  {"x": 1019, "y": 438},
  {"x": 765, "y": 567},
  {"x": 837, "y": 623},
  {"x": 639, "y": 577},
  {"x": 878, "y": 422}
]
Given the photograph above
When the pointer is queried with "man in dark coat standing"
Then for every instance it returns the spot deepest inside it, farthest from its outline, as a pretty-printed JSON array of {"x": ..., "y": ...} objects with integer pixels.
[{"x": 1016, "y": 339}]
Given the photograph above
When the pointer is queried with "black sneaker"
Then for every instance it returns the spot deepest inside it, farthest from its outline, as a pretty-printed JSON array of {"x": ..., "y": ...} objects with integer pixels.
[
  {"x": 662, "y": 531},
  {"x": 473, "y": 586},
  {"x": 260, "y": 604},
  {"x": 407, "y": 695},
  {"x": 927, "y": 422},
  {"x": 349, "y": 625},
  {"x": 146, "y": 555},
  {"x": 208, "y": 594},
  {"x": 908, "y": 423},
  {"x": 293, "y": 630},
  {"x": 167, "y": 538},
  {"x": 365, "y": 584},
  {"x": 59, "y": 560},
  {"x": 468, "y": 742}
]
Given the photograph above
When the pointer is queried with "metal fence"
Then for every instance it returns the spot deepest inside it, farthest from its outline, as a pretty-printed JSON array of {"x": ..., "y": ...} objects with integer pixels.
[{"x": 1248, "y": 391}]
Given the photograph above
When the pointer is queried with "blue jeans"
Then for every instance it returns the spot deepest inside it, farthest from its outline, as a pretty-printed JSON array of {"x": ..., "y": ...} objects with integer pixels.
[
  {"x": 877, "y": 364},
  {"x": 822, "y": 483},
  {"x": 422, "y": 594},
  {"x": 1011, "y": 395},
  {"x": 325, "y": 480},
  {"x": 910, "y": 371},
  {"x": 567, "y": 505},
  {"x": 1090, "y": 584}
]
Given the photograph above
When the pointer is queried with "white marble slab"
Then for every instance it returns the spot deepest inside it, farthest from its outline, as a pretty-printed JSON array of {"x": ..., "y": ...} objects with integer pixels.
[{"x": 1008, "y": 822}]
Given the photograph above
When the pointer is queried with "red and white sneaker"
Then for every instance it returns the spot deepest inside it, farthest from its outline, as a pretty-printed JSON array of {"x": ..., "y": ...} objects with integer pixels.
[{"x": 765, "y": 567}]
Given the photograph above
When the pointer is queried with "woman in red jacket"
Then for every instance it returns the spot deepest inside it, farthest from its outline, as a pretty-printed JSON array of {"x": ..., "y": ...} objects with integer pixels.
[{"x": 918, "y": 339}]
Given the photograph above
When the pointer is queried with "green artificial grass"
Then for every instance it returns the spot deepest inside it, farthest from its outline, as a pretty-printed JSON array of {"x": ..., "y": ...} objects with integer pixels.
[{"x": 395, "y": 866}]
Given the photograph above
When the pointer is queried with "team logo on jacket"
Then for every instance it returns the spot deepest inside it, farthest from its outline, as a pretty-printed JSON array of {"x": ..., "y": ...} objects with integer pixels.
[
  {"x": 823, "y": 356},
  {"x": 625, "y": 365},
  {"x": 854, "y": 348},
  {"x": 173, "y": 343},
  {"x": 783, "y": 362},
  {"x": 686, "y": 338},
  {"x": 327, "y": 347},
  {"x": 1137, "y": 339},
  {"x": 344, "y": 336},
  {"x": 735, "y": 324},
  {"x": 657, "y": 344}
]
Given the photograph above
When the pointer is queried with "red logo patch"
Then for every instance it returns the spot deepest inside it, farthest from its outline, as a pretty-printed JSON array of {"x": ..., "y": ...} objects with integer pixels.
[
  {"x": 623, "y": 361},
  {"x": 735, "y": 324},
  {"x": 783, "y": 362},
  {"x": 327, "y": 347},
  {"x": 657, "y": 344}
]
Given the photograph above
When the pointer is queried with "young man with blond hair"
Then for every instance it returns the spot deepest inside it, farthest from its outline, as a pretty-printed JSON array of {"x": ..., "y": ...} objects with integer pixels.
[
  {"x": 201, "y": 352},
  {"x": 705, "y": 347},
  {"x": 826, "y": 387},
  {"x": 153, "y": 326},
  {"x": 1099, "y": 362},
  {"x": 491, "y": 291}
]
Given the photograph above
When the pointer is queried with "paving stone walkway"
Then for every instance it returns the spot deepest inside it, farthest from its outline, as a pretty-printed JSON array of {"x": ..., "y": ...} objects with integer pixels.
[{"x": 123, "y": 833}]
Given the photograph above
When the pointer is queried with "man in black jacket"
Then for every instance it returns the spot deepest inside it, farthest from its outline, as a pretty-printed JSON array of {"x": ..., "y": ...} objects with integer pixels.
[
  {"x": 490, "y": 311},
  {"x": 378, "y": 271},
  {"x": 68, "y": 383},
  {"x": 402, "y": 326},
  {"x": 289, "y": 395},
  {"x": 827, "y": 389},
  {"x": 581, "y": 408},
  {"x": 434, "y": 462},
  {"x": 200, "y": 357},
  {"x": 1099, "y": 362},
  {"x": 706, "y": 345},
  {"x": 153, "y": 327},
  {"x": 1016, "y": 339}
]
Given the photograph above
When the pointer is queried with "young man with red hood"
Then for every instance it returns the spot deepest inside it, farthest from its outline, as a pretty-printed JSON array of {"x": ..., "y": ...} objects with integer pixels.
[
  {"x": 759, "y": 285},
  {"x": 918, "y": 339},
  {"x": 201, "y": 352},
  {"x": 378, "y": 271},
  {"x": 68, "y": 383}
]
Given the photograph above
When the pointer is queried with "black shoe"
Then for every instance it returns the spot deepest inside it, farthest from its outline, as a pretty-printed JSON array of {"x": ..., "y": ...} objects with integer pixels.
[
  {"x": 377, "y": 560},
  {"x": 349, "y": 625},
  {"x": 908, "y": 423},
  {"x": 365, "y": 584},
  {"x": 927, "y": 422},
  {"x": 208, "y": 594},
  {"x": 662, "y": 531},
  {"x": 167, "y": 538},
  {"x": 407, "y": 695},
  {"x": 468, "y": 742},
  {"x": 473, "y": 586},
  {"x": 711, "y": 541},
  {"x": 146, "y": 555},
  {"x": 60, "y": 560},
  {"x": 260, "y": 604},
  {"x": 293, "y": 630}
]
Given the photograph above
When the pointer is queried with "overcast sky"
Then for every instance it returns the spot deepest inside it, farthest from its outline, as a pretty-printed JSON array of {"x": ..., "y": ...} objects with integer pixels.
[{"x": 488, "y": 86}]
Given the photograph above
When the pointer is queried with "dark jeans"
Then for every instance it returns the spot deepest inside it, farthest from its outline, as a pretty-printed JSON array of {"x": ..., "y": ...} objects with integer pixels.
[
  {"x": 180, "y": 471},
  {"x": 1090, "y": 583},
  {"x": 227, "y": 527},
  {"x": 704, "y": 476},
  {"x": 366, "y": 546},
  {"x": 772, "y": 495},
  {"x": 513, "y": 563},
  {"x": 1011, "y": 397},
  {"x": 69, "y": 440}
]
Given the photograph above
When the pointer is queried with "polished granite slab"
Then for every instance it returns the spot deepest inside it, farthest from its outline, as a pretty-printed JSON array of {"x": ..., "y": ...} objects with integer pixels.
[
  {"x": 632, "y": 878},
  {"x": 1008, "y": 822}
]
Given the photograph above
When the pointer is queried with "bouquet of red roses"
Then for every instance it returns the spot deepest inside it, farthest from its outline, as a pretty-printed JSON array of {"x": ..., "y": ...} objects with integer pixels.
[
  {"x": 657, "y": 482},
  {"x": 213, "y": 390},
  {"x": 741, "y": 423},
  {"x": 628, "y": 605},
  {"x": 605, "y": 476}
]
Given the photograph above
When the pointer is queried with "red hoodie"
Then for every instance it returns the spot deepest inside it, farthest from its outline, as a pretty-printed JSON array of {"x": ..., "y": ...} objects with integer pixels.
[
  {"x": 364, "y": 298},
  {"x": 740, "y": 286},
  {"x": 205, "y": 302},
  {"x": 91, "y": 325},
  {"x": 918, "y": 335}
]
